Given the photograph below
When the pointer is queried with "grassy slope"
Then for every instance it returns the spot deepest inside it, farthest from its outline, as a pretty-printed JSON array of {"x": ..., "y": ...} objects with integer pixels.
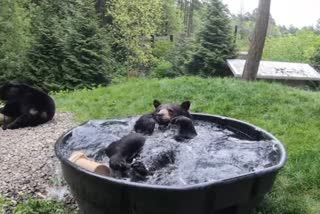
[{"x": 290, "y": 114}]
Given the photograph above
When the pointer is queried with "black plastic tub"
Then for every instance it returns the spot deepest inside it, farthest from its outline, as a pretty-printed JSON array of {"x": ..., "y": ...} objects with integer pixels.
[{"x": 97, "y": 194}]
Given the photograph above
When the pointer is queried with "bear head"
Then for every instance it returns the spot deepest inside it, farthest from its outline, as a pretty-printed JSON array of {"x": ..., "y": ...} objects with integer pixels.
[
  {"x": 10, "y": 91},
  {"x": 164, "y": 113}
]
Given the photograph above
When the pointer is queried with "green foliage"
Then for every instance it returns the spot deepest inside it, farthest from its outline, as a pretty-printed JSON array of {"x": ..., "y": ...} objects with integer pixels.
[
  {"x": 216, "y": 43},
  {"x": 199, "y": 18},
  {"x": 4, "y": 205},
  {"x": 290, "y": 114},
  {"x": 299, "y": 47},
  {"x": 162, "y": 69},
  {"x": 181, "y": 55},
  {"x": 69, "y": 49},
  {"x": 171, "y": 21},
  {"x": 35, "y": 206},
  {"x": 172, "y": 58},
  {"x": 315, "y": 59},
  {"x": 162, "y": 48},
  {"x": 15, "y": 36},
  {"x": 246, "y": 24},
  {"x": 134, "y": 21},
  {"x": 69, "y": 44}
]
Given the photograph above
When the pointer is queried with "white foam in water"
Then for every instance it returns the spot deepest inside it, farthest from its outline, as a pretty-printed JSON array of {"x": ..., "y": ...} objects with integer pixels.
[
  {"x": 58, "y": 190},
  {"x": 215, "y": 154}
]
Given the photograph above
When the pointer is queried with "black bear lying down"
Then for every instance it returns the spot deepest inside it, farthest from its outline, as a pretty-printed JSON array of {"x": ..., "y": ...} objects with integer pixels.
[
  {"x": 123, "y": 151},
  {"x": 25, "y": 106}
]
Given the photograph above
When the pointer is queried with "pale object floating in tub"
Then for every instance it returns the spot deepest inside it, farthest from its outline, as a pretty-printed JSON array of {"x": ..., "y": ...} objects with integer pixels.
[{"x": 80, "y": 159}]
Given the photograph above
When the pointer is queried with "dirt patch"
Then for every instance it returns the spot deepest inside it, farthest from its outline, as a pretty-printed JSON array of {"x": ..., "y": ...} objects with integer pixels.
[{"x": 28, "y": 164}]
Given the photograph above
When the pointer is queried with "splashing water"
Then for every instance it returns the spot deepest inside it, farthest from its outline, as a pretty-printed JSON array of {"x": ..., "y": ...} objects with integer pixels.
[
  {"x": 58, "y": 190},
  {"x": 215, "y": 154}
]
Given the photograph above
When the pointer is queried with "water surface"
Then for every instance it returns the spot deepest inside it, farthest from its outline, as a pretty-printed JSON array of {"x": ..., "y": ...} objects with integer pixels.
[{"x": 215, "y": 154}]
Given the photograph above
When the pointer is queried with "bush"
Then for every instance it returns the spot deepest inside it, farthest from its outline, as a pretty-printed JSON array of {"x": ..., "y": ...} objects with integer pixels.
[
  {"x": 161, "y": 49},
  {"x": 299, "y": 47},
  {"x": 181, "y": 55},
  {"x": 172, "y": 58},
  {"x": 70, "y": 51},
  {"x": 162, "y": 69}
]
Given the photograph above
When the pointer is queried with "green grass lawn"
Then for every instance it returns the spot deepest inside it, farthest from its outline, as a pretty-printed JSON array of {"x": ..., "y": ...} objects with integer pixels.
[{"x": 292, "y": 115}]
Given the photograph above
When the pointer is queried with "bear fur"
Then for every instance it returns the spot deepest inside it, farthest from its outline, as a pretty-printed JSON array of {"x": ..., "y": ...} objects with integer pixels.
[
  {"x": 186, "y": 128},
  {"x": 165, "y": 115},
  {"x": 25, "y": 105},
  {"x": 122, "y": 152},
  {"x": 145, "y": 124}
]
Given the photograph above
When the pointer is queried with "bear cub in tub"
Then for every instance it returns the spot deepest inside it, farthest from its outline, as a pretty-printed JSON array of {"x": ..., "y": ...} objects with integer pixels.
[{"x": 122, "y": 152}]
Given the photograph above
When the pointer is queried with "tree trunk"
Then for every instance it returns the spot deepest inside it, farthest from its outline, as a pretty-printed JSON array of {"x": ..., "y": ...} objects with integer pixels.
[
  {"x": 186, "y": 14},
  {"x": 190, "y": 22},
  {"x": 257, "y": 44}
]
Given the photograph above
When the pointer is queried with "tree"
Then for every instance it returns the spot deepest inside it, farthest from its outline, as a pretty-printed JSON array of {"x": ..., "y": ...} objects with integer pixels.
[
  {"x": 171, "y": 24},
  {"x": 133, "y": 22},
  {"x": 15, "y": 37},
  {"x": 216, "y": 43},
  {"x": 188, "y": 10},
  {"x": 256, "y": 49},
  {"x": 69, "y": 49},
  {"x": 292, "y": 29}
]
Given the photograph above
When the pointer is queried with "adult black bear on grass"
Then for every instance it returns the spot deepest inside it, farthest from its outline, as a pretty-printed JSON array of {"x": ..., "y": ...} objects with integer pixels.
[{"x": 25, "y": 106}]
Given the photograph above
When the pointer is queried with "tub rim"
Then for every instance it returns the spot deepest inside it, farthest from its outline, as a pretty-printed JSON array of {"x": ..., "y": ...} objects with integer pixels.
[{"x": 259, "y": 173}]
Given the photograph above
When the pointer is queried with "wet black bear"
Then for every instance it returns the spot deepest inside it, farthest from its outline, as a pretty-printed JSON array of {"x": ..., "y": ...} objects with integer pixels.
[
  {"x": 25, "y": 106},
  {"x": 122, "y": 152},
  {"x": 185, "y": 127},
  {"x": 145, "y": 124},
  {"x": 166, "y": 114}
]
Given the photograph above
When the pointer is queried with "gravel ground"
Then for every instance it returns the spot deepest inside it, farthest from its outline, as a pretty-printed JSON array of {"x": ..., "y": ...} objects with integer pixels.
[{"x": 28, "y": 165}]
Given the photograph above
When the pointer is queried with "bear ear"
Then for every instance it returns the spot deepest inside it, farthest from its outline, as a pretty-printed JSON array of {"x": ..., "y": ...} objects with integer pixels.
[
  {"x": 186, "y": 105},
  {"x": 156, "y": 103}
]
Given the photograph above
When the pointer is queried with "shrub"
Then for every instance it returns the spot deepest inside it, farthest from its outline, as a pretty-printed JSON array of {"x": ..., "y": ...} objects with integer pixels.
[
  {"x": 70, "y": 51},
  {"x": 299, "y": 47},
  {"x": 162, "y": 69},
  {"x": 161, "y": 49}
]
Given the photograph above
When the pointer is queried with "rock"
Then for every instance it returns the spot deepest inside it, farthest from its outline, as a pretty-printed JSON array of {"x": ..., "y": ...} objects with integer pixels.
[{"x": 27, "y": 158}]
